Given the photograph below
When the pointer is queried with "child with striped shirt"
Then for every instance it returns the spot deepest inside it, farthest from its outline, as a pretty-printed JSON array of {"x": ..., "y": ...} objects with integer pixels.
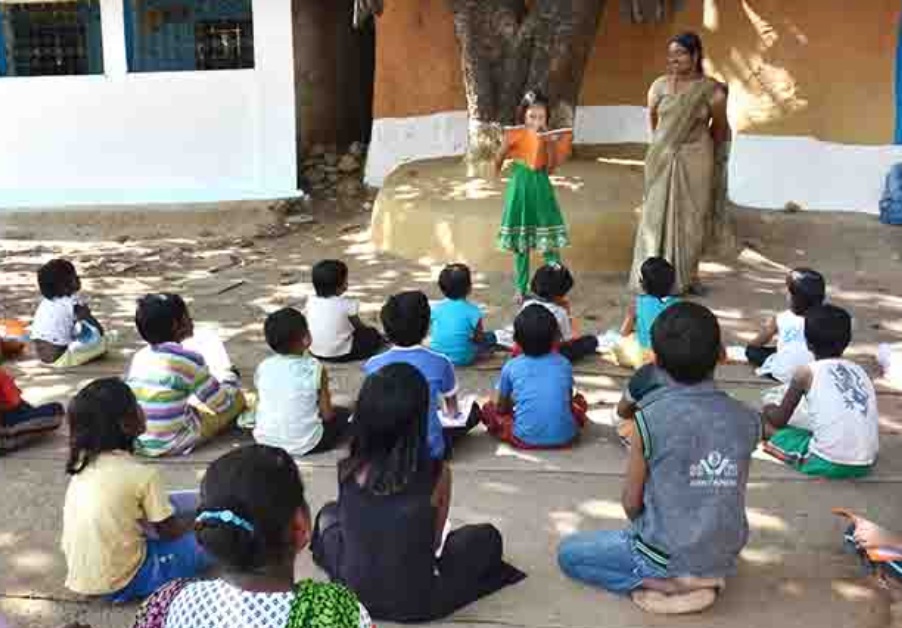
[{"x": 184, "y": 403}]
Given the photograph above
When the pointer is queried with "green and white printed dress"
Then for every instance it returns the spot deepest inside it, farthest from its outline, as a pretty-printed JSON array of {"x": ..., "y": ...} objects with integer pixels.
[{"x": 532, "y": 219}]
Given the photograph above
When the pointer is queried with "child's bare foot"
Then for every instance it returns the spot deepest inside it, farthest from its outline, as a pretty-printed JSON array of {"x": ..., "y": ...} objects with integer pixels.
[{"x": 676, "y": 604}]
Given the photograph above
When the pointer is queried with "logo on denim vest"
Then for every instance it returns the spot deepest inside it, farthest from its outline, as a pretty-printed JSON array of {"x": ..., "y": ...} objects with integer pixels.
[{"x": 715, "y": 469}]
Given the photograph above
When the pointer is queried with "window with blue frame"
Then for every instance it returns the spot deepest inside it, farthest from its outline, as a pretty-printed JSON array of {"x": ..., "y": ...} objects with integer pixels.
[
  {"x": 50, "y": 38},
  {"x": 189, "y": 35}
]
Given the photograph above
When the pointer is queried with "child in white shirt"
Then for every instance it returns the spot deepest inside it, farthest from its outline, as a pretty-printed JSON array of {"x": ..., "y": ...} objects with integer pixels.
[
  {"x": 336, "y": 331},
  {"x": 64, "y": 332},
  {"x": 294, "y": 410},
  {"x": 805, "y": 289},
  {"x": 827, "y": 424}
]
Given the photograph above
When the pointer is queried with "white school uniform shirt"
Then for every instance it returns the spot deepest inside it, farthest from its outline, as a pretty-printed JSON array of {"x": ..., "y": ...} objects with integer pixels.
[
  {"x": 792, "y": 348},
  {"x": 560, "y": 314},
  {"x": 287, "y": 414},
  {"x": 331, "y": 331},
  {"x": 842, "y": 413},
  {"x": 54, "y": 321}
]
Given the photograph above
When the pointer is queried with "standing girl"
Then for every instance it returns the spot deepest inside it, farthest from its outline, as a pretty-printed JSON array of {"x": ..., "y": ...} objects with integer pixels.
[{"x": 532, "y": 218}]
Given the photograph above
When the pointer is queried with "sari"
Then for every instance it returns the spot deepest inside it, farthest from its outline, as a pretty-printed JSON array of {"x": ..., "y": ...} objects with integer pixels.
[{"x": 685, "y": 183}]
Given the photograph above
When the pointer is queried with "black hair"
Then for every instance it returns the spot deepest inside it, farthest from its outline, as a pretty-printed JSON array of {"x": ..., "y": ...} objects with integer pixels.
[
  {"x": 158, "y": 316},
  {"x": 328, "y": 276},
  {"x": 262, "y": 485},
  {"x": 405, "y": 318},
  {"x": 686, "y": 342},
  {"x": 692, "y": 43},
  {"x": 55, "y": 278},
  {"x": 657, "y": 276},
  {"x": 828, "y": 331},
  {"x": 536, "y": 330},
  {"x": 455, "y": 282},
  {"x": 284, "y": 327},
  {"x": 551, "y": 281},
  {"x": 95, "y": 416},
  {"x": 532, "y": 98},
  {"x": 807, "y": 288},
  {"x": 388, "y": 435}
]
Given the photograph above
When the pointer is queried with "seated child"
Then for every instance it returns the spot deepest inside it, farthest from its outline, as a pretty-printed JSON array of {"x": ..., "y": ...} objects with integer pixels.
[
  {"x": 685, "y": 481},
  {"x": 254, "y": 520},
  {"x": 534, "y": 405},
  {"x": 382, "y": 536},
  {"x": 827, "y": 423},
  {"x": 185, "y": 405},
  {"x": 457, "y": 325},
  {"x": 122, "y": 537},
  {"x": 294, "y": 407},
  {"x": 405, "y": 318},
  {"x": 64, "y": 332},
  {"x": 550, "y": 286},
  {"x": 21, "y": 422},
  {"x": 657, "y": 277},
  {"x": 806, "y": 289},
  {"x": 337, "y": 333}
]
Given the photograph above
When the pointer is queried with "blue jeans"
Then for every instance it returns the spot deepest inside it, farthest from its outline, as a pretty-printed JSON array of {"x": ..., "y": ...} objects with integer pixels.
[
  {"x": 166, "y": 561},
  {"x": 606, "y": 558}
]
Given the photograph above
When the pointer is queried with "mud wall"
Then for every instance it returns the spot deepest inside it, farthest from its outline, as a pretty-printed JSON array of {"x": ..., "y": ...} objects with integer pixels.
[{"x": 806, "y": 67}]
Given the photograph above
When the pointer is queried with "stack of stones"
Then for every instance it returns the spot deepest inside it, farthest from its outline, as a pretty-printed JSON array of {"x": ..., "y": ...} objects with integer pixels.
[{"x": 332, "y": 176}]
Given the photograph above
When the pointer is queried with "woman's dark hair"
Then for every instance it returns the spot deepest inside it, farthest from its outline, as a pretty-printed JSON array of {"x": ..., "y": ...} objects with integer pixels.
[
  {"x": 95, "y": 418},
  {"x": 262, "y": 485},
  {"x": 807, "y": 289},
  {"x": 405, "y": 318},
  {"x": 55, "y": 278},
  {"x": 692, "y": 43},
  {"x": 532, "y": 98},
  {"x": 455, "y": 281},
  {"x": 158, "y": 316},
  {"x": 284, "y": 327},
  {"x": 536, "y": 330},
  {"x": 551, "y": 282},
  {"x": 686, "y": 342},
  {"x": 388, "y": 435},
  {"x": 828, "y": 331},
  {"x": 657, "y": 277},
  {"x": 327, "y": 276}
]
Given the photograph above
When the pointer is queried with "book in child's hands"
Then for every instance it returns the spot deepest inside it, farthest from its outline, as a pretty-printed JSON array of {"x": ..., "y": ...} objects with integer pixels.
[
  {"x": 528, "y": 146},
  {"x": 875, "y": 553}
]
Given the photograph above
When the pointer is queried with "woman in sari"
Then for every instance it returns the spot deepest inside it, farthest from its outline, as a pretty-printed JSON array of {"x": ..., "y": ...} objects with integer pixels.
[{"x": 685, "y": 193}]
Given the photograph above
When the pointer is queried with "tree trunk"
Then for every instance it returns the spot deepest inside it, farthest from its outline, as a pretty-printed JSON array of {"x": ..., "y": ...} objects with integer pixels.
[{"x": 511, "y": 46}]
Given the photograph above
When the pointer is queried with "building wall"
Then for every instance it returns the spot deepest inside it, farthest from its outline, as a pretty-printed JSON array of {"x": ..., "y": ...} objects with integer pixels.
[
  {"x": 811, "y": 91},
  {"x": 154, "y": 137}
]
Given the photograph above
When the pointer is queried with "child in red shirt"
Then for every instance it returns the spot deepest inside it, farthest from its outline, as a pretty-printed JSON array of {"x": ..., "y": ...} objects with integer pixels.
[{"x": 20, "y": 422}]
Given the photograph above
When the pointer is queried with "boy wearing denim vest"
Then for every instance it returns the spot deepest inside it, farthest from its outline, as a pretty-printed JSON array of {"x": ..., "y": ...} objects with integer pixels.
[{"x": 686, "y": 478}]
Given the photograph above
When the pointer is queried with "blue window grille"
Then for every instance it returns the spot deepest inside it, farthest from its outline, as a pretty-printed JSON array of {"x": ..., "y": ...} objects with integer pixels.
[
  {"x": 189, "y": 35},
  {"x": 50, "y": 38}
]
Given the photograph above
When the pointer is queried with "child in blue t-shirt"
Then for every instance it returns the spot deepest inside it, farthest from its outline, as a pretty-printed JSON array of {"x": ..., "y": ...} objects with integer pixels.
[
  {"x": 405, "y": 318},
  {"x": 457, "y": 330},
  {"x": 657, "y": 277},
  {"x": 534, "y": 405}
]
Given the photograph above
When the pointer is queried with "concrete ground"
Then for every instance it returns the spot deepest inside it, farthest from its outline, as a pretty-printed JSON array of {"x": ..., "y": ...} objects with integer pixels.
[{"x": 793, "y": 572}]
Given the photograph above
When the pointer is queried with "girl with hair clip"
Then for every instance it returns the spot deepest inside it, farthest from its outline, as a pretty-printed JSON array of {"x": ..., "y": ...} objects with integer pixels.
[
  {"x": 254, "y": 520},
  {"x": 532, "y": 219}
]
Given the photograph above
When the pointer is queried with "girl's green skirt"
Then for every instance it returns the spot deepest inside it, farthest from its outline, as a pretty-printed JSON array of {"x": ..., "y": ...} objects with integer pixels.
[{"x": 532, "y": 219}]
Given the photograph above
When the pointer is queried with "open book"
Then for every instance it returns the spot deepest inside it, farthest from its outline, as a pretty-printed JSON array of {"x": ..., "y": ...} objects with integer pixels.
[
  {"x": 529, "y": 147},
  {"x": 878, "y": 553}
]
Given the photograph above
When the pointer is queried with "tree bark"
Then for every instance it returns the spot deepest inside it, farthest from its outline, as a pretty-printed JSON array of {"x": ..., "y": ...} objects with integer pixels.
[{"x": 509, "y": 47}]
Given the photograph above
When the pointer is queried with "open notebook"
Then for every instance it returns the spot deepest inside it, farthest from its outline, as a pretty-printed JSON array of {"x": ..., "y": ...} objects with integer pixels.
[{"x": 528, "y": 146}]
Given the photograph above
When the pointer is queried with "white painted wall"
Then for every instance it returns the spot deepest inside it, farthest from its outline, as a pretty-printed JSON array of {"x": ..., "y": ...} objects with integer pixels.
[
  {"x": 154, "y": 137},
  {"x": 765, "y": 171}
]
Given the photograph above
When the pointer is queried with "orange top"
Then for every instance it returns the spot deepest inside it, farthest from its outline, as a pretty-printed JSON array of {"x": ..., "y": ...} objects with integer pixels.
[
  {"x": 10, "y": 396},
  {"x": 528, "y": 146}
]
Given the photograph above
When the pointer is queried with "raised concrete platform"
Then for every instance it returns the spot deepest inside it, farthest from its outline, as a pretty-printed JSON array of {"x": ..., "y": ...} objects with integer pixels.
[{"x": 431, "y": 210}]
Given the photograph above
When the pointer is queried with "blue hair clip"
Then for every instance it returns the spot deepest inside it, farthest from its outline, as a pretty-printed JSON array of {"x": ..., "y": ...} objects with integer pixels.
[{"x": 225, "y": 516}]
